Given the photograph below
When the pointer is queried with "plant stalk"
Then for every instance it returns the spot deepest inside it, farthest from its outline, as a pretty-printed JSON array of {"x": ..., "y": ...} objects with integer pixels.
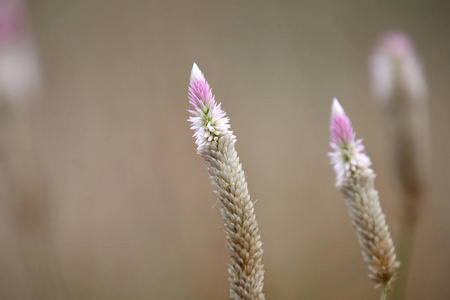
[{"x": 384, "y": 291}]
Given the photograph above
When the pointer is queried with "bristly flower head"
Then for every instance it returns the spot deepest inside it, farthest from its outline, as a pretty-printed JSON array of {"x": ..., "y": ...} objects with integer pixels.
[
  {"x": 349, "y": 154},
  {"x": 208, "y": 120},
  {"x": 394, "y": 65},
  {"x": 216, "y": 144},
  {"x": 356, "y": 180}
]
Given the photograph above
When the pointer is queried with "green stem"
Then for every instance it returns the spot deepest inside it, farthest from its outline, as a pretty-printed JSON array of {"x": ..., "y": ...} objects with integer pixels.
[
  {"x": 404, "y": 255},
  {"x": 384, "y": 291}
]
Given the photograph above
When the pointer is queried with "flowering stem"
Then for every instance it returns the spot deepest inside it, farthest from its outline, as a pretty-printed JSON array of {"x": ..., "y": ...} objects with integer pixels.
[
  {"x": 384, "y": 291},
  {"x": 356, "y": 180},
  {"x": 216, "y": 144}
]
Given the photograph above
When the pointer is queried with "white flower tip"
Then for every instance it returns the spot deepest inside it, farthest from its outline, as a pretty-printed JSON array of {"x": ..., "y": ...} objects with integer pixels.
[
  {"x": 336, "y": 108},
  {"x": 196, "y": 73}
]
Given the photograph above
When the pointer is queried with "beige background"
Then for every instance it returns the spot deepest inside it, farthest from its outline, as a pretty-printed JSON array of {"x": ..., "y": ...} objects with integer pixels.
[{"x": 130, "y": 204}]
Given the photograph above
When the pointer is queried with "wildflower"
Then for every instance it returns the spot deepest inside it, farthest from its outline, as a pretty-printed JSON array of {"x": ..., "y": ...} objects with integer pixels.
[
  {"x": 216, "y": 144},
  {"x": 355, "y": 179}
]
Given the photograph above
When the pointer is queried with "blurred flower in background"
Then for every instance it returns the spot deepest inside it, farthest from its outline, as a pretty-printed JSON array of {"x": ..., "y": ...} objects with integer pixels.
[
  {"x": 396, "y": 68},
  {"x": 399, "y": 85},
  {"x": 20, "y": 165},
  {"x": 19, "y": 64}
]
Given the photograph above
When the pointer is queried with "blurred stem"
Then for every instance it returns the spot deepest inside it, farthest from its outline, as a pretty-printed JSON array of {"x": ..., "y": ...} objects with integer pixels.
[
  {"x": 384, "y": 291},
  {"x": 404, "y": 253},
  {"x": 24, "y": 177}
]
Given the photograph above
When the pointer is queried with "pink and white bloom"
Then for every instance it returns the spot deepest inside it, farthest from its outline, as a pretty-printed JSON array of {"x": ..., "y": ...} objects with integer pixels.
[
  {"x": 208, "y": 120},
  {"x": 349, "y": 154},
  {"x": 19, "y": 63},
  {"x": 395, "y": 68},
  {"x": 356, "y": 180},
  {"x": 216, "y": 144}
]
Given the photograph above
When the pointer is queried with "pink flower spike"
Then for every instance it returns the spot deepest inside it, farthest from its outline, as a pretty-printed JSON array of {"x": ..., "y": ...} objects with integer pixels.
[
  {"x": 208, "y": 120},
  {"x": 355, "y": 179},
  {"x": 341, "y": 128},
  {"x": 349, "y": 153},
  {"x": 216, "y": 144}
]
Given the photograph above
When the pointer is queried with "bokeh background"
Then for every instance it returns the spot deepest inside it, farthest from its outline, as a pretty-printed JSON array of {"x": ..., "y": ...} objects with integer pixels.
[{"x": 128, "y": 210}]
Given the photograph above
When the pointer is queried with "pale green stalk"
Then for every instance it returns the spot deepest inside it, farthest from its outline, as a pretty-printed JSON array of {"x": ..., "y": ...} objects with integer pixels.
[{"x": 384, "y": 291}]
